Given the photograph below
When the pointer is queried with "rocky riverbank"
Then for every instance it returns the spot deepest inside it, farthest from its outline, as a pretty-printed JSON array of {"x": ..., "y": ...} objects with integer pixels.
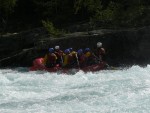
[{"x": 123, "y": 47}]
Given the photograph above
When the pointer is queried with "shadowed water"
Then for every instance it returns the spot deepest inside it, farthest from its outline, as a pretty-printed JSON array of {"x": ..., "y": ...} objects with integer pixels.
[{"x": 108, "y": 91}]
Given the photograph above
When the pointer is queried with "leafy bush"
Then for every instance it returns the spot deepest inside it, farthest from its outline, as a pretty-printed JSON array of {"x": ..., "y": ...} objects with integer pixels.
[
  {"x": 25, "y": 14},
  {"x": 51, "y": 29}
]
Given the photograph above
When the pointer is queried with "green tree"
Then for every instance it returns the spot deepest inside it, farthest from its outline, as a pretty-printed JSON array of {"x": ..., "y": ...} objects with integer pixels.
[{"x": 6, "y": 8}]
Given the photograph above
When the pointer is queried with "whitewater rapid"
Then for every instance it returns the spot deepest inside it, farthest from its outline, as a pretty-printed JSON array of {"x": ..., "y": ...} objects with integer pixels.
[{"x": 108, "y": 91}]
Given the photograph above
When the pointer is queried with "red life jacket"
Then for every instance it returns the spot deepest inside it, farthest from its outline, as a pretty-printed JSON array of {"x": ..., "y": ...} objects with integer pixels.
[
  {"x": 59, "y": 53},
  {"x": 100, "y": 51},
  {"x": 81, "y": 58}
]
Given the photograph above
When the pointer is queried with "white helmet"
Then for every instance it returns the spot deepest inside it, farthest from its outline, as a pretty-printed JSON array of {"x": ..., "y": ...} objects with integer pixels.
[
  {"x": 99, "y": 44},
  {"x": 56, "y": 47}
]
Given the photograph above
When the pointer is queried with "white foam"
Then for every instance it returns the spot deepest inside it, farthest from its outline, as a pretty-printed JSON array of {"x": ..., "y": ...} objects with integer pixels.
[{"x": 108, "y": 91}]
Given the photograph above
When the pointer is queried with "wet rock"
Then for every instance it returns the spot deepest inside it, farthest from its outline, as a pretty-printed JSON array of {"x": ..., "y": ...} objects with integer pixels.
[{"x": 127, "y": 46}]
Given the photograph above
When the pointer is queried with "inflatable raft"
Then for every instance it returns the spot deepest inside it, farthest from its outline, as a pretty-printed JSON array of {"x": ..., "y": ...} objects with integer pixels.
[{"x": 38, "y": 65}]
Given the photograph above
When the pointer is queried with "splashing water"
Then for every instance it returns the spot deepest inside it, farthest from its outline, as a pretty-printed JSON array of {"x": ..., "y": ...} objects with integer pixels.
[{"x": 108, "y": 91}]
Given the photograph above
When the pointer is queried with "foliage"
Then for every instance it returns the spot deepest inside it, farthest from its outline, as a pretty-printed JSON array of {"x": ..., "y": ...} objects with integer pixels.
[
  {"x": 51, "y": 29},
  {"x": 106, "y": 13},
  {"x": 123, "y": 14},
  {"x": 6, "y": 6},
  {"x": 90, "y": 5}
]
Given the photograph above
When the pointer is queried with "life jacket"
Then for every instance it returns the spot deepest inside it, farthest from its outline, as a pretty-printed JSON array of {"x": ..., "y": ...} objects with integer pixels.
[
  {"x": 89, "y": 58},
  {"x": 88, "y": 54},
  {"x": 59, "y": 55},
  {"x": 81, "y": 59},
  {"x": 73, "y": 53},
  {"x": 73, "y": 57},
  {"x": 50, "y": 58},
  {"x": 100, "y": 51},
  {"x": 66, "y": 59},
  {"x": 101, "y": 54}
]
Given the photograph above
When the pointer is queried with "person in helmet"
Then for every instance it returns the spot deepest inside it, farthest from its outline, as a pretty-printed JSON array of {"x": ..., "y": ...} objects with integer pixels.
[
  {"x": 73, "y": 59},
  {"x": 59, "y": 53},
  {"x": 89, "y": 57},
  {"x": 66, "y": 58},
  {"x": 81, "y": 58},
  {"x": 100, "y": 52},
  {"x": 87, "y": 52},
  {"x": 50, "y": 58},
  {"x": 71, "y": 49}
]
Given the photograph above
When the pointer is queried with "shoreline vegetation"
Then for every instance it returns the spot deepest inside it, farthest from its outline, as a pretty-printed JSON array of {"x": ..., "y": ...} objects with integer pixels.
[
  {"x": 29, "y": 27},
  {"x": 22, "y": 15}
]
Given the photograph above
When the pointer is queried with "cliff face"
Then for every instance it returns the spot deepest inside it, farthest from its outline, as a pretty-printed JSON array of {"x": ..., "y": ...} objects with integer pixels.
[{"x": 128, "y": 46}]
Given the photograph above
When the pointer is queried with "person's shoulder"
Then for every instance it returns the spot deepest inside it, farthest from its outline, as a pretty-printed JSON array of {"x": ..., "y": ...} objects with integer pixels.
[
  {"x": 73, "y": 52},
  {"x": 87, "y": 53},
  {"x": 70, "y": 54},
  {"x": 60, "y": 51},
  {"x": 102, "y": 48},
  {"x": 53, "y": 54}
]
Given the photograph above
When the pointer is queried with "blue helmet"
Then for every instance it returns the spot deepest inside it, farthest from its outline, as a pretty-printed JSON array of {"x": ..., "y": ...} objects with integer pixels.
[
  {"x": 67, "y": 51},
  {"x": 87, "y": 49},
  {"x": 80, "y": 51},
  {"x": 70, "y": 49},
  {"x": 51, "y": 50}
]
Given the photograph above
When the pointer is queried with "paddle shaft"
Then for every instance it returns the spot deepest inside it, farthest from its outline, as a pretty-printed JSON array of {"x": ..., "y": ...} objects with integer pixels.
[{"x": 77, "y": 60}]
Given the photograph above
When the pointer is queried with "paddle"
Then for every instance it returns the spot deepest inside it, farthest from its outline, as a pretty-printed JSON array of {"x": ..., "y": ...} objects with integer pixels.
[
  {"x": 61, "y": 60},
  {"x": 77, "y": 61},
  {"x": 97, "y": 58}
]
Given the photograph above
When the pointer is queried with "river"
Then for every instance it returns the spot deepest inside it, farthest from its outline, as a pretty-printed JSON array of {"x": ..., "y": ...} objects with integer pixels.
[{"x": 109, "y": 91}]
